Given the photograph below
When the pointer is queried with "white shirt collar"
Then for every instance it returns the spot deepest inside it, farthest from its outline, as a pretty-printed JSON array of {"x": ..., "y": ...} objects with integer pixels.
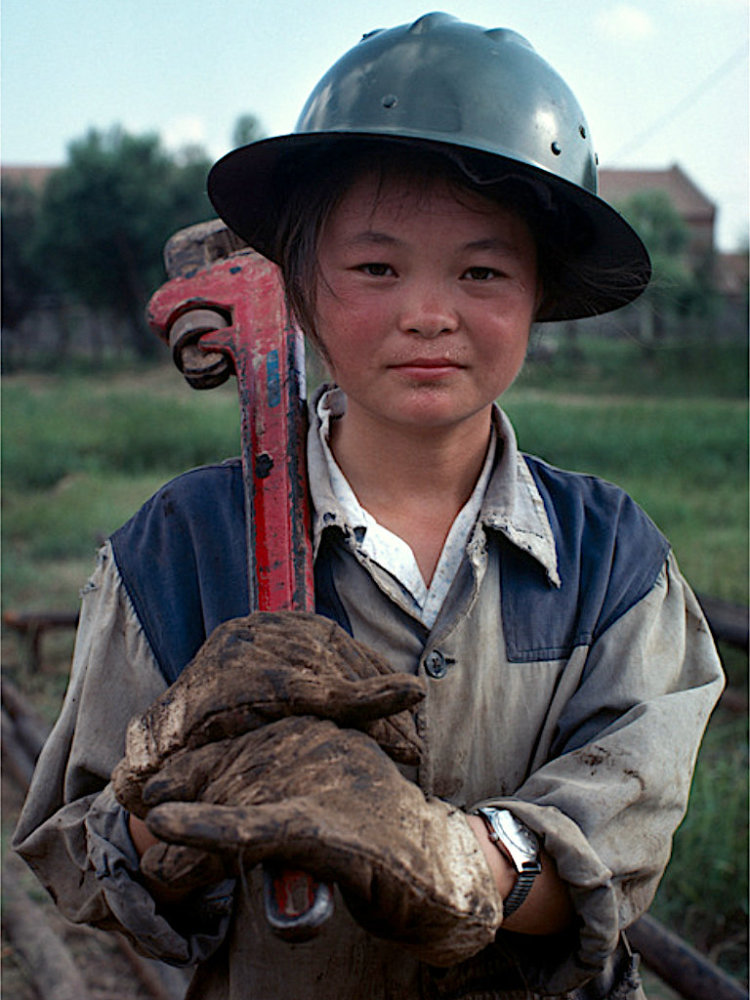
[{"x": 381, "y": 546}]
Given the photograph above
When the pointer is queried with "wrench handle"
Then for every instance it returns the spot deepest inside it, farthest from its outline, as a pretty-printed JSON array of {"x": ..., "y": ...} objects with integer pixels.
[{"x": 230, "y": 316}]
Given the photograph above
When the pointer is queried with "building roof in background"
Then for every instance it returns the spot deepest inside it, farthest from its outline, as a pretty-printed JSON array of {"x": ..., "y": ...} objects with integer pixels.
[
  {"x": 35, "y": 177},
  {"x": 687, "y": 198}
]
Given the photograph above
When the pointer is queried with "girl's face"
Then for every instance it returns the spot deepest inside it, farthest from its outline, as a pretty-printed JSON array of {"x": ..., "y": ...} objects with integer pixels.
[{"x": 424, "y": 301}]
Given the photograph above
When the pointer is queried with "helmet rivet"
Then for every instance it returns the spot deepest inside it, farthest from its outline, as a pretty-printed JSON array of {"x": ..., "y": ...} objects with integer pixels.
[
  {"x": 556, "y": 149},
  {"x": 389, "y": 101},
  {"x": 582, "y": 130}
]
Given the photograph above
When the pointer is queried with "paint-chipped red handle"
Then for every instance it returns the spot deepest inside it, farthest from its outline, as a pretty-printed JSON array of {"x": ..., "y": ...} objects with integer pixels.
[{"x": 224, "y": 311}]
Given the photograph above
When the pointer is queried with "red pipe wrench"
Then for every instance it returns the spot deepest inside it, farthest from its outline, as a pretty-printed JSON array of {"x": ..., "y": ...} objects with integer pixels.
[{"x": 224, "y": 312}]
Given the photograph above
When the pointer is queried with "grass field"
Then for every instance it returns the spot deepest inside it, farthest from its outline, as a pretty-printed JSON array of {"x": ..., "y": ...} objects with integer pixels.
[{"x": 82, "y": 452}]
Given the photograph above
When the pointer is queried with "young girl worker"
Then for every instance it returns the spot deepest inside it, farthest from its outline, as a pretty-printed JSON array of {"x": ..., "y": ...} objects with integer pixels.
[{"x": 485, "y": 736}]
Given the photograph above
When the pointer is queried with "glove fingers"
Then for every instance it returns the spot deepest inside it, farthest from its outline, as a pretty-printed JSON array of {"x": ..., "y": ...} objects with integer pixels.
[
  {"x": 128, "y": 788},
  {"x": 287, "y": 832},
  {"x": 257, "y": 669},
  {"x": 315, "y": 797},
  {"x": 188, "y": 773},
  {"x": 379, "y": 704},
  {"x": 182, "y": 868},
  {"x": 280, "y": 691},
  {"x": 310, "y": 643},
  {"x": 397, "y": 736},
  {"x": 275, "y": 692},
  {"x": 353, "y": 704},
  {"x": 225, "y": 829},
  {"x": 294, "y": 638}
]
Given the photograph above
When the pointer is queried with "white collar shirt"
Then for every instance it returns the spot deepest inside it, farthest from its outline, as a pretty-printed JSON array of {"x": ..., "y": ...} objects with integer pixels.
[{"x": 380, "y": 545}]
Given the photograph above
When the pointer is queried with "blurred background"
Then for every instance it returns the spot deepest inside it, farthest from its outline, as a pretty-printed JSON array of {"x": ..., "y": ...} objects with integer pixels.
[{"x": 113, "y": 112}]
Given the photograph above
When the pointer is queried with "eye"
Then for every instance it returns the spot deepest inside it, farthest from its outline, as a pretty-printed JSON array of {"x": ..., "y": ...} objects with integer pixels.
[
  {"x": 481, "y": 273},
  {"x": 376, "y": 270}
]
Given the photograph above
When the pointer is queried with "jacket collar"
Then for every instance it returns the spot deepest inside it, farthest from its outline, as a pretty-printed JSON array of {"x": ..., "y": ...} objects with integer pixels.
[{"x": 512, "y": 505}]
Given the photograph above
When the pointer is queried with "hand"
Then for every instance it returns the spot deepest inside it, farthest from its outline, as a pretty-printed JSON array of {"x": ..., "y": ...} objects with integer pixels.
[
  {"x": 254, "y": 670},
  {"x": 169, "y": 871},
  {"x": 308, "y": 794}
]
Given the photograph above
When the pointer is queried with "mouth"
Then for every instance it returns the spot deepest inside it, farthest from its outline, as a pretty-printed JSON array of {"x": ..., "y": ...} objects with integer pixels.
[{"x": 427, "y": 367}]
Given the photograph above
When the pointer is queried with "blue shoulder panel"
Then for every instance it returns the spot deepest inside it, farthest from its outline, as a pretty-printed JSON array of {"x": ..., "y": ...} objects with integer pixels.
[
  {"x": 609, "y": 557},
  {"x": 183, "y": 562}
]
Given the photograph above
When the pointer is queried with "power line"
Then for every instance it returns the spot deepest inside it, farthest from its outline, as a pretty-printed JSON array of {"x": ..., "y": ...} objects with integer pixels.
[{"x": 681, "y": 105}]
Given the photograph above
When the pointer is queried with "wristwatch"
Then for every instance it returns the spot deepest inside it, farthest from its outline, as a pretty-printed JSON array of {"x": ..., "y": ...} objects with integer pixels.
[{"x": 520, "y": 844}]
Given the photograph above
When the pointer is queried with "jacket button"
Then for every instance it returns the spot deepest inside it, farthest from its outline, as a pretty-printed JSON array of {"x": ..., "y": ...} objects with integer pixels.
[{"x": 435, "y": 665}]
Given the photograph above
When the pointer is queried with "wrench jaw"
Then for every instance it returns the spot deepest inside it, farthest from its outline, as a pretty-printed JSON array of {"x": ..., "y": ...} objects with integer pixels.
[
  {"x": 200, "y": 246},
  {"x": 199, "y": 301}
]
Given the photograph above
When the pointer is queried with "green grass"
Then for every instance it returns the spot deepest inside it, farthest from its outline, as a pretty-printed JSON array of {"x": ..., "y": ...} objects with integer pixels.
[
  {"x": 81, "y": 453},
  {"x": 680, "y": 367},
  {"x": 704, "y": 892},
  {"x": 55, "y": 427}
]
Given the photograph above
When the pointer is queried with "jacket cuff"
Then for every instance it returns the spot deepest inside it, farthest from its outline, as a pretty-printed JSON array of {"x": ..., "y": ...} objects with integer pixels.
[{"x": 116, "y": 865}]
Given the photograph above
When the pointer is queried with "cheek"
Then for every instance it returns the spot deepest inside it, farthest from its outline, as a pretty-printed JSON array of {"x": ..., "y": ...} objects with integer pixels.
[
  {"x": 336, "y": 330},
  {"x": 508, "y": 324},
  {"x": 347, "y": 326}
]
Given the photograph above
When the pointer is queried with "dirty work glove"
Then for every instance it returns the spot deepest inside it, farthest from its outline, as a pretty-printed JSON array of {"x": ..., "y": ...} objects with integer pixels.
[
  {"x": 253, "y": 670},
  {"x": 329, "y": 801},
  {"x": 250, "y": 671}
]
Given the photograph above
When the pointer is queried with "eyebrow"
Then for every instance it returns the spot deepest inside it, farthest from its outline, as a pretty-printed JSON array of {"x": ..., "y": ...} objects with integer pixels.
[
  {"x": 374, "y": 237},
  {"x": 492, "y": 243}
]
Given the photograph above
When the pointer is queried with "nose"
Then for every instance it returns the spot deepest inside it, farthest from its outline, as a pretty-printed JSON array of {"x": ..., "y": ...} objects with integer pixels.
[{"x": 427, "y": 311}]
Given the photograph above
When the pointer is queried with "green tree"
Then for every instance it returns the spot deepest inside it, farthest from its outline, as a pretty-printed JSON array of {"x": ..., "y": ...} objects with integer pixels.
[
  {"x": 105, "y": 217},
  {"x": 246, "y": 129},
  {"x": 680, "y": 288},
  {"x": 22, "y": 279}
]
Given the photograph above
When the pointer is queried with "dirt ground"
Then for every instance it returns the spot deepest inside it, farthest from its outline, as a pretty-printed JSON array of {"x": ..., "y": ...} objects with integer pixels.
[{"x": 105, "y": 963}]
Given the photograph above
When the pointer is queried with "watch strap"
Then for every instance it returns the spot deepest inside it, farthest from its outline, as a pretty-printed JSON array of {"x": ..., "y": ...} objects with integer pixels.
[{"x": 519, "y": 892}]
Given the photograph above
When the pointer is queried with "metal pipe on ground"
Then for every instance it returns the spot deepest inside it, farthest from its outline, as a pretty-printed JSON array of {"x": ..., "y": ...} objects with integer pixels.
[
  {"x": 683, "y": 968},
  {"x": 46, "y": 956}
]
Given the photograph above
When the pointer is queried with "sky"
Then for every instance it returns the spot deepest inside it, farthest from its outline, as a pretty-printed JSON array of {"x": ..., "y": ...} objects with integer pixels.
[{"x": 660, "y": 81}]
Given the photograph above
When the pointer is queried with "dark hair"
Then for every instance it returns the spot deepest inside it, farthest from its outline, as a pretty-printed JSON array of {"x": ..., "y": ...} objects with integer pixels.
[{"x": 322, "y": 182}]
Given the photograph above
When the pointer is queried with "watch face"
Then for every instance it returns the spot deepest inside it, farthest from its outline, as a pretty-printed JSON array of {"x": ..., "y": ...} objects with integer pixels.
[
  {"x": 525, "y": 840},
  {"x": 521, "y": 842}
]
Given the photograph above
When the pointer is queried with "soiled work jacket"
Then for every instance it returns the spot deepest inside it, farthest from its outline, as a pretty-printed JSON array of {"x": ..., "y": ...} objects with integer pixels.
[{"x": 570, "y": 675}]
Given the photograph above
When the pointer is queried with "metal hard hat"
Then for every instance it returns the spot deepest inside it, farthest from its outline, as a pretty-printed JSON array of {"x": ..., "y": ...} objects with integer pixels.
[{"x": 484, "y": 96}]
